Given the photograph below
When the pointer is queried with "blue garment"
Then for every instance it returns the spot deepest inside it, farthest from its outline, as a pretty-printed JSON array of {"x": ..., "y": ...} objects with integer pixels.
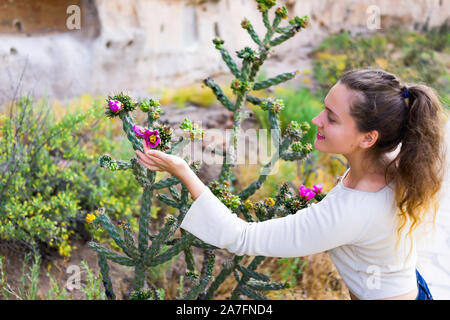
[{"x": 424, "y": 292}]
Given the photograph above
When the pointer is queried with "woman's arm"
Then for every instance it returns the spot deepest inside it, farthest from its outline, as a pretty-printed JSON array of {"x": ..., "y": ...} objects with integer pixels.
[
  {"x": 195, "y": 186},
  {"x": 320, "y": 227}
]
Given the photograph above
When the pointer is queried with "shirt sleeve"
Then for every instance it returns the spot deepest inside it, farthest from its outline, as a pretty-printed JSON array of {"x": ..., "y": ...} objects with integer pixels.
[{"x": 317, "y": 228}]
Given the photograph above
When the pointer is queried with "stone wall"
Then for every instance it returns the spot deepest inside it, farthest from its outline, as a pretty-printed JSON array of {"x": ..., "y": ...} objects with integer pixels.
[{"x": 139, "y": 44}]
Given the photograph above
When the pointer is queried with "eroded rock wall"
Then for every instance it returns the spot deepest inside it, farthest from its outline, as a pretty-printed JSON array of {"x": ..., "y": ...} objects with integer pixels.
[{"x": 139, "y": 44}]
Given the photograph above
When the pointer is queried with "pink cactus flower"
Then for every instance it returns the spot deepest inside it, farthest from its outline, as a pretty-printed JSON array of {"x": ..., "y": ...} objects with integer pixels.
[
  {"x": 115, "y": 106},
  {"x": 139, "y": 131},
  {"x": 152, "y": 138},
  {"x": 306, "y": 193},
  {"x": 317, "y": 188},
  {"x": 310, "y": 195}
]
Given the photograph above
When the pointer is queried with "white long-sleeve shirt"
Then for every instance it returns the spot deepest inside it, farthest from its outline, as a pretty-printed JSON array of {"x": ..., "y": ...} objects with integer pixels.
[{"x": 357, "y": 228}]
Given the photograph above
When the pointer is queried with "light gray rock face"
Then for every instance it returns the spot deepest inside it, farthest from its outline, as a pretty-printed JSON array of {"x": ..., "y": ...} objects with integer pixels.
[{"x": 137, "y": 45}]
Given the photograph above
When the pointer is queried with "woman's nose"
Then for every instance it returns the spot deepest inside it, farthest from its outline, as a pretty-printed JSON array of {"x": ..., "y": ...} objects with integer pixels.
[{"x": 315, "y": 120}]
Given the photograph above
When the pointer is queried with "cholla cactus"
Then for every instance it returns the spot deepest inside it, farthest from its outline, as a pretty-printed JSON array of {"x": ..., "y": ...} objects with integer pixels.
[
  {"x": 141, "y": 255},
  {"x": 146, "y": 252},
  {"x": 245, "y": 76}
]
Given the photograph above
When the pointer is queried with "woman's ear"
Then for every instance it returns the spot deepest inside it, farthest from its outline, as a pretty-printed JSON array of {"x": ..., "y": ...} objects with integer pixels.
[{"x": 369, "y": 139}]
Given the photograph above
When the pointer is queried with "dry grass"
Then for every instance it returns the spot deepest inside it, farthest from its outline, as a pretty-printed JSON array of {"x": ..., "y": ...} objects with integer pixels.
[{"x": 318, "y": 281}]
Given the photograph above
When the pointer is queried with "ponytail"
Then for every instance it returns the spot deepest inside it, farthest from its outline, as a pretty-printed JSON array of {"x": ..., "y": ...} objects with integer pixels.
[{"x": 422, "y": 158}]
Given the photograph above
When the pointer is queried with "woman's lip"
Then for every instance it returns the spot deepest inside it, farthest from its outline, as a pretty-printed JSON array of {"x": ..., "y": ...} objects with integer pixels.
[{"x": 319, "y": 137}]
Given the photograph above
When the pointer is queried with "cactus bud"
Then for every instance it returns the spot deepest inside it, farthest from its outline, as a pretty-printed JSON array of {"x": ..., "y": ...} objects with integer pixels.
[
  {"x": 307, "y": 148},
  {"x": 248, "y": 204},
  {"x": 282, "y": 12},
  {"x": 264, "y": 5},
  {"x": 144, "y": 107},
  {"x": 294, "y": 125},
  {"x": 300, "y": 22},
  {"x": 297, "y": 146},
  {"x": 218, "y": 42},
  {"x": 154, "y": 102},
  {"x": 278, "y": 106},
  {"x": 246, "y": 53},
  {"x": 236, "y": 85},
  {"x": 305, "y": 126},
  {"x": 245, "y": 24}
]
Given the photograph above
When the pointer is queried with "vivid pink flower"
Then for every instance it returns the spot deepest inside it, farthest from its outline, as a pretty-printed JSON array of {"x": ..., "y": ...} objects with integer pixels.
[
  {"x": 310, "y": 195},
  {"x": 306, "y": 193},
  {"x": 139, "y": 131},
  {"x": 152, "y": 138},
  {"x": 317, "y": 188},
  {"x": 115, "y": 105}
]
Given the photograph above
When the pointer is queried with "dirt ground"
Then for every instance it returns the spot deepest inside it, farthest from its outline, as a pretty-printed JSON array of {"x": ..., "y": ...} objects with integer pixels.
[
  {"x": 318, "y": 281},
  {"x": 59, "y": 270}
]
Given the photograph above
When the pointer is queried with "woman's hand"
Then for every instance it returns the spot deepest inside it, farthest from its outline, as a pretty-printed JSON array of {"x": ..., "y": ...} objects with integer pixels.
[
  {"x": 177, "y": 167},
  {"x": 159, "y": 161}
]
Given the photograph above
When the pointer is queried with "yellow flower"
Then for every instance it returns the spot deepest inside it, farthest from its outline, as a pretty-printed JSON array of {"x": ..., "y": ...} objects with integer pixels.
[
  {"x": 90, "y": 217},
  {"x": 269, "y": 202}
]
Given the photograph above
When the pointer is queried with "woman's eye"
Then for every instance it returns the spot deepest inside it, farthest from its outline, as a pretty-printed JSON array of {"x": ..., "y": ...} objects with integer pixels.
[{"x": 331, "y": 120}]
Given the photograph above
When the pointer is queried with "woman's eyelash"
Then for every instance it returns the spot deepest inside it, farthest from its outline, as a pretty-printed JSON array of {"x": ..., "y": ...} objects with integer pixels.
[{"x": 329, "y": 119}]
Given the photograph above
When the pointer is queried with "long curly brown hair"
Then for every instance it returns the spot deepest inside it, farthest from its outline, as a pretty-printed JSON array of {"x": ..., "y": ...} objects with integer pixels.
[{"x": 411, "y": 115}]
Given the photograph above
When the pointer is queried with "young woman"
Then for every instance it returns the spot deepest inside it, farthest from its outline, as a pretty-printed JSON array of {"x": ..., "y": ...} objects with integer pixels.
[{"x": 366, "y": 221}]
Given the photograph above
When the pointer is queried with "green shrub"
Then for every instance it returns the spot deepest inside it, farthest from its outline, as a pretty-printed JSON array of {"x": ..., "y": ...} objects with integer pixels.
[
  {"x": 49, "y": 181},
  {"x": 196, "y": 95},
  {"x": 92, "y": 289},
  {"x": 291, "y": 269},
  {"x": 413, "y": 56}
]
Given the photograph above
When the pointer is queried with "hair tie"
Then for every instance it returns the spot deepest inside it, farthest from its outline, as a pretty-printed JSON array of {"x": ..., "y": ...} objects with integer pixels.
[{"x": 406, "y": 94}]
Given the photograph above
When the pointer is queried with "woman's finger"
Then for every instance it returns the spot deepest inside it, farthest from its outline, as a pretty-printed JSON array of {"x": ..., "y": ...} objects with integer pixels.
[
  {"x": 144, "y": 143},
  {"x": 141, "y": 155},
  {"x": 150, "y": 167},
  {"x": 147, "y": 161},
  {"x": 156, "y": 153},
  {"x": 153, "y": 160}
]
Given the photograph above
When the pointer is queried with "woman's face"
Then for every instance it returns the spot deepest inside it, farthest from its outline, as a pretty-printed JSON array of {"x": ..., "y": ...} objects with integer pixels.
[{"x": 336, "y": 125}]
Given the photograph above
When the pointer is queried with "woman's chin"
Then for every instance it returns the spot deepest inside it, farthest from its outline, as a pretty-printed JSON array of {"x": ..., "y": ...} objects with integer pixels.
[{"x": 317, "y": 145}]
